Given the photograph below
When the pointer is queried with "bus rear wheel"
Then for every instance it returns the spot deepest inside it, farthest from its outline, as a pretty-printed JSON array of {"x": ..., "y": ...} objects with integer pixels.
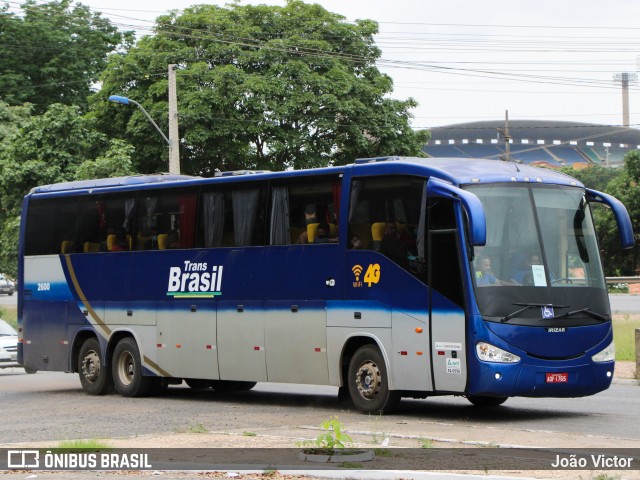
[
  {"x": 127, "y": 370},
  {"x": 231, "y": 385},
  {"x": 95, "y": 377},
  {"x": 480, "y": 401},
  {"x": 369, "y": 383}
]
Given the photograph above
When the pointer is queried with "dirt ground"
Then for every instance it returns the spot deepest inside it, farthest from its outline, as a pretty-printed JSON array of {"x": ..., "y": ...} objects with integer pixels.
[{"x": 625, "y": 370}]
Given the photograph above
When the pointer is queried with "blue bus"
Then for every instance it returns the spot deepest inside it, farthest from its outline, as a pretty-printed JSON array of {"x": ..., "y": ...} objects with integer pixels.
[{"x": 388, "y": 278}]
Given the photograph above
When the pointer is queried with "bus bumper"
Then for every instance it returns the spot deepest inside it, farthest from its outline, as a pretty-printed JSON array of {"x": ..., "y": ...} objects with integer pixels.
[{"x": 544, "y": 379}]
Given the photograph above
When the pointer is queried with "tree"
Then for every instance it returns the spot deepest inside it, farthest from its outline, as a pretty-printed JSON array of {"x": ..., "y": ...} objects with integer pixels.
[
  {"x": 12, "y": 118},
  {"x": 595, "y": 177},
  {"x": 259, "y": 87},
  {"x": 622, "y": 184},
  {"x": 626, "y": 188},
  {"x": 53, "y": 53},
  {"x": 58, "y": 146}
]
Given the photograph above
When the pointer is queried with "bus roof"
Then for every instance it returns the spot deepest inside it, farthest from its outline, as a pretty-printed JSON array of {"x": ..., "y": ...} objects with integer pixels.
[
  {"x": 461, "y": 171},
  {"x": 110, "y": 182},
  {"x": 455, "y": 170}
]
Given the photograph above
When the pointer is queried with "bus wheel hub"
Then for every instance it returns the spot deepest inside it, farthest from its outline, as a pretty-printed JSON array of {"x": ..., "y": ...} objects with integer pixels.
[
  {"x": 368, "y": 380},
  {"x": 91, "y": 366}
]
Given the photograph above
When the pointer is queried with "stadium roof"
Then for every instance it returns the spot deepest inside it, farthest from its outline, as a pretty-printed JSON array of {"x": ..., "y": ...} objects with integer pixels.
[{"x": 534, "y": 130}]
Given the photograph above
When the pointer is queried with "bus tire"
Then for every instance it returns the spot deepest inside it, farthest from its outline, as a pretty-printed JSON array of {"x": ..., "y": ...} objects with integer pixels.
[
  {"x": 127, "y": 370},
  {"x": 231, "y": 386},
  {"x": 95, "y": 377},
  {"x": 368, "y": 382},
  {"x": 480, "y": 401}
]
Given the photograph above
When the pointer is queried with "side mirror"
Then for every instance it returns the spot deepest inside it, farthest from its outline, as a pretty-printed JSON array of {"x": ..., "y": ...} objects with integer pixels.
[
  {"x": 619, "y": 212},
  {"x": 470, "y": 203}
]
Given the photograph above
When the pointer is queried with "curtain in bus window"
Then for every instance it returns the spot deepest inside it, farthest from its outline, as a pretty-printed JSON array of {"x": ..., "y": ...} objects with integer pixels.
[
  {"x": 280, "y": 230},
  {"x": 245, "y": 210},
  {"x": 356, "y": 188},
  {"x": 101, "y": 216},
  {"x": 213, "y": 207},
  {"x": 336, "y": 190},
  {"x": 151, "y": 203},
  {"x": 129, "y": 207},
  {"x": 187, "y": 220}
]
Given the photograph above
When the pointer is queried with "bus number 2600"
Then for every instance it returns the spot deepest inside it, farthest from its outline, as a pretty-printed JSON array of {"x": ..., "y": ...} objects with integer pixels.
[{"x": 44, "y": 287}]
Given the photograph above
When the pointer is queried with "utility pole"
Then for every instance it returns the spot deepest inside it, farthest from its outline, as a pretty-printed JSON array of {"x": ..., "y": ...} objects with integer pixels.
[
  {"x": 624, "y": 78},
  {"x": 174, "y": 140},
  {"x": 507, "y": 137}
]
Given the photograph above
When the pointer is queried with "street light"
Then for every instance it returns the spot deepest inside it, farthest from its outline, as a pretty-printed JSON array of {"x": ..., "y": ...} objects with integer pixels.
[{"x": 127, "y": 101}]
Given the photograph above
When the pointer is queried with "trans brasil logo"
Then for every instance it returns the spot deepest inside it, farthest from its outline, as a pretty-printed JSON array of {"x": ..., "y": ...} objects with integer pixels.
[{"x": 195, "y": 280}]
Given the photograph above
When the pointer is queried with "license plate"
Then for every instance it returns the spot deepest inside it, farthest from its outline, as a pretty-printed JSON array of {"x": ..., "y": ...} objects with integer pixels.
[{"x": 557, "y": 377}]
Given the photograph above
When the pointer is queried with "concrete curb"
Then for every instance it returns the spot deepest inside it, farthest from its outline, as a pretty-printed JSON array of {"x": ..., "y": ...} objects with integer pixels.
[{"x": 626, "y": 381}]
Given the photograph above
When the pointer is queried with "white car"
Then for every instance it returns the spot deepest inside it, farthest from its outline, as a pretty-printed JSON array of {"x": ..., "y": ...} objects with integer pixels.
[
  {"x": 6, "y": 285},
  {"x": 9, "y": 347}
]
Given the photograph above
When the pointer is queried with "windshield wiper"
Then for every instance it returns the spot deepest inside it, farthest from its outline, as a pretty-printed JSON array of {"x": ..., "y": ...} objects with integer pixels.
[
  {"x": 586, "y": 311},
  {"x": 527, "y": 306}
]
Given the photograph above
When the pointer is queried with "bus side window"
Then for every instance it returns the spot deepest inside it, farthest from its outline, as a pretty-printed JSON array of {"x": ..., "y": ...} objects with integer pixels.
[
  {"x": 100, "y": 217},
  {"x": 304, "y": 211},
  {"x": 51, "y": 221},
  {"x": 386, "y": 214},
  {"x": 233, "y": 217}
]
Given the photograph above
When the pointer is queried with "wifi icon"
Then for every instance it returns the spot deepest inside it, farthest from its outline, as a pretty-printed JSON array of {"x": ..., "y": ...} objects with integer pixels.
[{"x": 357, "y": 270}]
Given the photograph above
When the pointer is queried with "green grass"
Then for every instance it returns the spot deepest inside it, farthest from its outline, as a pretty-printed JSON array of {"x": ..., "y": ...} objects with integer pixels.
[
  {"x": 9, "y": 313},
  {"x": 624, "y": 336},
  {"x": 425, "y": 443},
  {"x": 83, "y": 444},
  {"x": 197, "y": 428}
]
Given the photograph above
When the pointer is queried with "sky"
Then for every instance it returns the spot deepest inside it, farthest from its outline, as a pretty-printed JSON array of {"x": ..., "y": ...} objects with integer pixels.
[{"x": 469, "y": 60}]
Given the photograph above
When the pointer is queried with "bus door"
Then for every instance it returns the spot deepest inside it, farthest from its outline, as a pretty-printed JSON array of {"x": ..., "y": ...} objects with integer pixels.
[{"x": 446, "y": 298}]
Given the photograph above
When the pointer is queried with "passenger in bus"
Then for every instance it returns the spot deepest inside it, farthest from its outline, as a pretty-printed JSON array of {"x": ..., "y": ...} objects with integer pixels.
[
  {"x": 152, "y": 239},
  {"x": 355, "y": 243},
  {"x": 322, "y": 234},
  {"x": 392, "y": 246},
  {"x": 525, "y": 275},
  {"x": 485, "y": 276},
  {"x": 173, "y": 239},
  {"x": 121, "y": 243}
]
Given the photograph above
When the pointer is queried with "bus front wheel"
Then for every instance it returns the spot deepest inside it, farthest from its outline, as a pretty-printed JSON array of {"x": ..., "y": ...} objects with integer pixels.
[
  {"x": 95, "y": 377},
  {"x": 369, "y": 383},
  {"x": 127, "y": 370},
  {"x": 480, "y": 401}
]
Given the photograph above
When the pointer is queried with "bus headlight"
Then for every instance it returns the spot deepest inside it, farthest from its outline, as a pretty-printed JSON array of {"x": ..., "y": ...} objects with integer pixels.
[
  {"x": 489, "y": 353},
  {"x": 606, "y": 355}
]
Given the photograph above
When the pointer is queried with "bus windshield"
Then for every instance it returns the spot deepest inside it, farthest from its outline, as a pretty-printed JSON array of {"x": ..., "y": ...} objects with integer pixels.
[{"x": 541, "y": 261}]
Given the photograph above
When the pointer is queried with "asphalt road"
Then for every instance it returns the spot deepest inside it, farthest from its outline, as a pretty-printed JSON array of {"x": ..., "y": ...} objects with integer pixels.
[
  {"x": 50, "y": 406},
  {"x": 8, "y": 299},
  {"x": 625, "y": 303}
]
